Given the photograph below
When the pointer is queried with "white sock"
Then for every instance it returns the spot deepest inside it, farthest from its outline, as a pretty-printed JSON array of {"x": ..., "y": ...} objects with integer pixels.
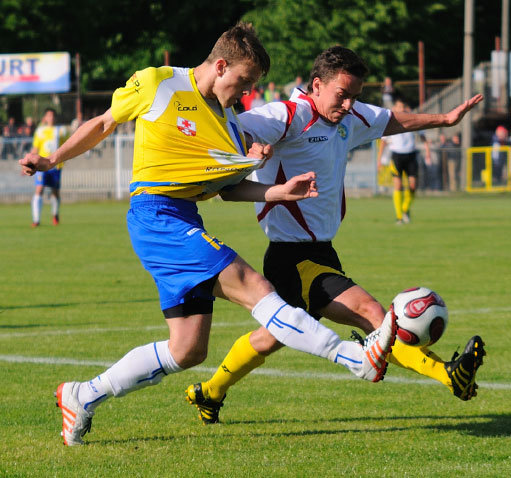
[
  {"x": 37, "y": 205},
  {"x": 141, "y": 367},
  {"x": 55, "y": 204},
  {"x": 350, "y": 355},
  {"x": 94, "y": 392},
  {"x": 296, "y": 328}
]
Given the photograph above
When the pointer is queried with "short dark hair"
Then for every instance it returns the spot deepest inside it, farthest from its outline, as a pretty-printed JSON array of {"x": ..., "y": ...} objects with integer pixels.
[
  {"x": 53, "y": 110},
  {"x": 240, "y": 43},
  {"x": 334, "y": 60}
]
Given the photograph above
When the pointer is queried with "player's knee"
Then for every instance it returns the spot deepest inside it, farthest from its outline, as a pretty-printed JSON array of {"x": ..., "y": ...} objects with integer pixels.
[
  {"x": 373, "y": 312},
  {"x": 263, "y": 342},
  {"x": 191, "y": 358}
]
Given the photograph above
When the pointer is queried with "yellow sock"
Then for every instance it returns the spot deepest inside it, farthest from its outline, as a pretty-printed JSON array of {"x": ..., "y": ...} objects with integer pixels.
[
  {"x": 408, "y": 199},
  {"x": 398, "y": 199},
  {"x": 420, "y": 360},
  {"x": 241, "y": 360}
]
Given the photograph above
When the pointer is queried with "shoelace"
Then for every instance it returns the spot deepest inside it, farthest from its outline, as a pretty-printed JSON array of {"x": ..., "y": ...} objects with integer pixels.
[
  {"x": 87, "y": 427},
  {"x": 357, "y": 337}
]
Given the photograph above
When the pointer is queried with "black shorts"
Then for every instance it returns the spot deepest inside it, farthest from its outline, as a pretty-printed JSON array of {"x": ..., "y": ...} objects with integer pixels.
[
  {"x": 305, "y": 274},
  {"x": 406, "y": 162},
  {"x": 194, "y": 304}
]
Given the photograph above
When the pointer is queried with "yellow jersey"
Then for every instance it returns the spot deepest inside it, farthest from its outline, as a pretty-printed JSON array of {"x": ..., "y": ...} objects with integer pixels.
[
  {"x": 182, "y": 147},
  {"x": 47, "y": 139}
]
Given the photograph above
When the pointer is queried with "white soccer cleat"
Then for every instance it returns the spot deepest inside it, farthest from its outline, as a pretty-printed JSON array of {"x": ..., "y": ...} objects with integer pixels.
[
  {"x": 377, "y": 345},
  {"x": 76, "y": 421}
]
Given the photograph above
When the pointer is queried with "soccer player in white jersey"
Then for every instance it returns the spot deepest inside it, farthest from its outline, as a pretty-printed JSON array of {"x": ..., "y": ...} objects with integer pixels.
[
  {"x": 316, "y": 129},
  {"x": 190, "y": 146}
]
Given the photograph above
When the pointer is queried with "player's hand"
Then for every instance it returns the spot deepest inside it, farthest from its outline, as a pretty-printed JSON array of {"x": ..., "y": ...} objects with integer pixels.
[
  {"x": 456, "y": 115},
  {"x": 260, "y": 151},
  {"x": 32, "y": 163},
  {"x": 298, "y": 187}
]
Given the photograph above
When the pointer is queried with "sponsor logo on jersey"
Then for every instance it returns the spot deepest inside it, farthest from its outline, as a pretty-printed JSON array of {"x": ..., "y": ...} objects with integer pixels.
[
  {"x": 343, "y": 132},
  {"x": 186, "y": 126},
  {"x": 180, "y": 107},
  {"x": 135, "y": 82},
  {"x": 318, "y": 139},
  {"x": 211, "y": 169}
]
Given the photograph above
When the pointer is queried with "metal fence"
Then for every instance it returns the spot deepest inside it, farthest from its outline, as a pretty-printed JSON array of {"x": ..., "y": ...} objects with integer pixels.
[
  {"x": 102, "y": 173},
  {"x": 489, "y": 169},
  {"x": 105, "y": 171}
]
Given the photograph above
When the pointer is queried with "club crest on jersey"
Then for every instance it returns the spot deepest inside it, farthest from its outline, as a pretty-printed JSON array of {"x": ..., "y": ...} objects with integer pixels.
[
  {"x": 343, "y": 132},
  {"x": 186, "y": 126}
]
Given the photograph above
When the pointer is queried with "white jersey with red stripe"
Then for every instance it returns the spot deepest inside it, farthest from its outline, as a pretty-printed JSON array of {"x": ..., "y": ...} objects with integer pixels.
[{"x": 304, "y": 142}]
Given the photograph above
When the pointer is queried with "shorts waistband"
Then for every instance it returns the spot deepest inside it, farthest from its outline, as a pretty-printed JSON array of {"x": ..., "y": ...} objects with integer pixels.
[
  {"x": 181, "y": 204},
  {"x": 301, "y": 244}
]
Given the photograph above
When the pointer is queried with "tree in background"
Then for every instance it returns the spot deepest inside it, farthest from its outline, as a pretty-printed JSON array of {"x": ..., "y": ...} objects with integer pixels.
[
  {"x": 384, "y": 32},
  {"x": 117, "y": 37}
]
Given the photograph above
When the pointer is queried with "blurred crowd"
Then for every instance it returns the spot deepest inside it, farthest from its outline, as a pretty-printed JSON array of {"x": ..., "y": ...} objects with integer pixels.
[
  {"x": 261, "y": 95},
  {"x": 16, "y": 139}
]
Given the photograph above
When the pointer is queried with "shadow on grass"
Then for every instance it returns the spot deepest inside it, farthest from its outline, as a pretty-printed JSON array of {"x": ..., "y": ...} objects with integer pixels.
[
  {"x": 69, "y": 304},
  {"x": 21, "y": 326},
  {"x": 490, "y": 425},
  {"x": 493, "y": 425}
]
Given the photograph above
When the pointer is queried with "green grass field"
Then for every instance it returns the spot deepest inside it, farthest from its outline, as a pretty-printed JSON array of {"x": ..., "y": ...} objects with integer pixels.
[{"x": 74, "y": 299}]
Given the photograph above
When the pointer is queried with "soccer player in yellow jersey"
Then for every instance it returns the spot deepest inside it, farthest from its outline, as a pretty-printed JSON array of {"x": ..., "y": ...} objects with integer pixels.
[
  {"x": 47, "y": 138},
  {"x": 189, "y": 146}
]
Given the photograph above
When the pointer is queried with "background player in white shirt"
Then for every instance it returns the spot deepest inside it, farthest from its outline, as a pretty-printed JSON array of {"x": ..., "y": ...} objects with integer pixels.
[
  {"x": 403, "y": 160},
  {"x": 316, "y": 129}
]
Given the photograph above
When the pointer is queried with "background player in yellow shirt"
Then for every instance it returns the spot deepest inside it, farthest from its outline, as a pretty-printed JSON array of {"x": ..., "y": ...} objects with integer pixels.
[
  {"x": 189, "y": 146},
  {"x": 47, "y": 138}
]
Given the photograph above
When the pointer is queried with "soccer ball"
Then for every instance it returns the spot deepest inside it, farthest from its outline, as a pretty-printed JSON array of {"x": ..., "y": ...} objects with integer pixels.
[{"x": 421, "y": 316}]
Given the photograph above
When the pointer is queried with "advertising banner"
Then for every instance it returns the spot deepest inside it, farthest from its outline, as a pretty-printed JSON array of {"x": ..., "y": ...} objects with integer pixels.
[{"x": 22, "y": 73}]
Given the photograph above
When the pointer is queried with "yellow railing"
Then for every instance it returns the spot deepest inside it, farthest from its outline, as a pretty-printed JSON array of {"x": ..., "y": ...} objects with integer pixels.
[{"x": 481, "y": 173}]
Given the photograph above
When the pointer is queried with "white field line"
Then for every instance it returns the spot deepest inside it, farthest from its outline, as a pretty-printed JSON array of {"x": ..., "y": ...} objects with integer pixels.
[
  {"x": 483, "y": 310},
  {"x": 260, "y": 371}
]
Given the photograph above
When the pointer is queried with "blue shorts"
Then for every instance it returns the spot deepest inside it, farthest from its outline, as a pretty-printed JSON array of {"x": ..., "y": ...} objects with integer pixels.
[
  {"x": 169, "y": 238},
  {"x": 49, "y": 178}
]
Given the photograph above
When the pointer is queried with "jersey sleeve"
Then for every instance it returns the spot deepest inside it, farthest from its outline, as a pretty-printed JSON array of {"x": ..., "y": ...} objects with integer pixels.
[
  {"x": 136, "y": 98},
  {"x": 369, "y": 123},
  {"x": 266, "y": 124}
]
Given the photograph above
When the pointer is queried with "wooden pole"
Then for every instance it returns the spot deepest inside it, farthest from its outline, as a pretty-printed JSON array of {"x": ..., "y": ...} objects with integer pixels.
[
  {"x": 78, "y": 107},
  {"x": 422, "y": 76}
]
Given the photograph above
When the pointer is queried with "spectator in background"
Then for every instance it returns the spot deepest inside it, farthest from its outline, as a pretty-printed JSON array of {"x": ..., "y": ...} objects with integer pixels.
[
  {"x": 270, "y": 93},
  {"x": 77, "y": 121},
  {"x": 297, "y": 83},
  {"x": 387, "y": 93},
  {"x": 450, "y": 154},
  {"x": 29, "y": 126},
  {"x": 47, "y": 139},
  {"x": 25, "y": 138},
  {"x": 499, "y": 157},
  {"x": 8, "y": 140},
  {"x": 11, "y": 124},
  {"x": 258, "y": 99}
]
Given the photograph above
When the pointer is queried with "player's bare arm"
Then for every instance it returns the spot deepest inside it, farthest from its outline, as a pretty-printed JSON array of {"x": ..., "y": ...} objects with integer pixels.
[
  {"x": 297, "y": 188},
  {"x": 84, "y": 138},
  {"x": 401, "y": 122}
]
